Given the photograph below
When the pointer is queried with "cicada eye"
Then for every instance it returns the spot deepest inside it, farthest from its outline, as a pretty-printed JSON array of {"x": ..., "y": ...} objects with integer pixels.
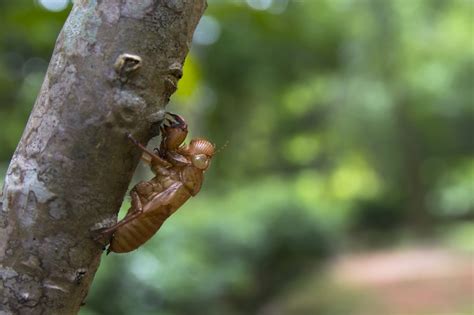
[{"x": 201, "y": 161}]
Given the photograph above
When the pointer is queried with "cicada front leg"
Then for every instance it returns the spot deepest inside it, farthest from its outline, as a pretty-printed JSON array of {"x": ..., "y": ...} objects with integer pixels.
[
  {"x": 173, "y": 134},
  {"x": 154, "y": 158}
]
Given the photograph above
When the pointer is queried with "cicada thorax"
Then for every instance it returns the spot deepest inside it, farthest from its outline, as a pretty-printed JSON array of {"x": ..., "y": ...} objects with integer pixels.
[
  {"x": 147, "y": 189},
  {"x": 192, "y": 178}
]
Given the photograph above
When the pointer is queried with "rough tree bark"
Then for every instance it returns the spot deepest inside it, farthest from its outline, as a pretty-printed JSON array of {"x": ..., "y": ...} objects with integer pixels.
[{"x": 114, "y": 67}]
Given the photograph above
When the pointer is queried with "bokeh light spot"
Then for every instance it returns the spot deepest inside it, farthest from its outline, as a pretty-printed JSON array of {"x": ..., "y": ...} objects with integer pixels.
[
  {"x": 354, "y": 178},
  {"x": 260, "y": 4},
  {"x": 208, "y": 31},
  {"x": 54, "y": 5}
]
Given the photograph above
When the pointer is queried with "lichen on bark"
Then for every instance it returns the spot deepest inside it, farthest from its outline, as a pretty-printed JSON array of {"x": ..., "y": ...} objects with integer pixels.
[{"x": 71, "y": 169}]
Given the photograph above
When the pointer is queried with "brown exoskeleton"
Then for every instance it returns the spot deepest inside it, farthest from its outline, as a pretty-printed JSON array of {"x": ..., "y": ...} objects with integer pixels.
[{"x": 178, "y": 172}]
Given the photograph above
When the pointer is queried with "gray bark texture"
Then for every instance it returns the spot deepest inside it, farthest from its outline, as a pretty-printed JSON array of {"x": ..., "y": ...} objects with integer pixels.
[{"x": 114, "y": 67}]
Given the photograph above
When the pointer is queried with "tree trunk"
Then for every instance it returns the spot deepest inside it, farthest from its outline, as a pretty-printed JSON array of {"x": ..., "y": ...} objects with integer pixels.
[{"x": 113, "y": 69}]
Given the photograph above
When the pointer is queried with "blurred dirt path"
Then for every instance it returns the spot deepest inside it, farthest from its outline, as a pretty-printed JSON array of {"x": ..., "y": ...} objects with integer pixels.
[
  {"x": 409, "y": 281},
  {"x": 415, "y": 281}
]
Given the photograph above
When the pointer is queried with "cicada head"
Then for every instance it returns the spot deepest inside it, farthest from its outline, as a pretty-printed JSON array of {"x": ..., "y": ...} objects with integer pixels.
[{"x": 201, "y": 152}]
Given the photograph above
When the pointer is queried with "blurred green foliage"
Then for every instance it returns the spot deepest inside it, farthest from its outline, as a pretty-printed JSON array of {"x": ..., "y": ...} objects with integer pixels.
[{"x": 349, "y": 124}]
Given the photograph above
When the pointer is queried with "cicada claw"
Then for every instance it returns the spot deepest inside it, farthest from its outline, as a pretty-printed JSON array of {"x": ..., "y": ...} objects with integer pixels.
[{"x": 178, "y": 122}]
